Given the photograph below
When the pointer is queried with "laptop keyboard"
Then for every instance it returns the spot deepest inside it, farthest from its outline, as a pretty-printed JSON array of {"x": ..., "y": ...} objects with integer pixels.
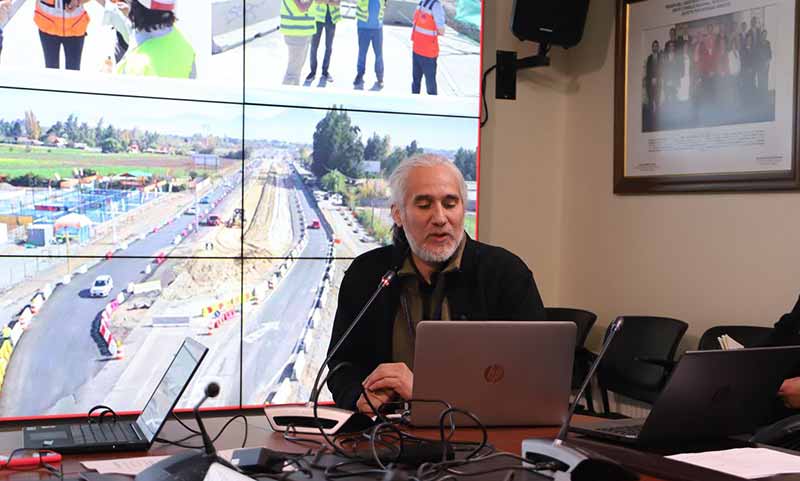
[
  {"x": 100, "y": 433},
  {"x": 624, "y": 431}
]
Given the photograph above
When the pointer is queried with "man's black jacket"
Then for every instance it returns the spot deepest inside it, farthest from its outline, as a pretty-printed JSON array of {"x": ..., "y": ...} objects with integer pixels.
[{"x": 492, "y": 284}]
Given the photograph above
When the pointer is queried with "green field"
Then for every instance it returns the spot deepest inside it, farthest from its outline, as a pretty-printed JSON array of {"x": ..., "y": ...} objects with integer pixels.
[
  {"x": 469, "y": 223},
  {"x": 18, "y": 160}
]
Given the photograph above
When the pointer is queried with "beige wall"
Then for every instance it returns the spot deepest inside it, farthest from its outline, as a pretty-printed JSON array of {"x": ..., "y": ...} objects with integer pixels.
[{"x": 547, "y": 164}]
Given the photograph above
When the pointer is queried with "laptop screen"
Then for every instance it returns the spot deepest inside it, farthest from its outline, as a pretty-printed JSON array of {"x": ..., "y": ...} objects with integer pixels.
[{"x": 170, "y": 388}]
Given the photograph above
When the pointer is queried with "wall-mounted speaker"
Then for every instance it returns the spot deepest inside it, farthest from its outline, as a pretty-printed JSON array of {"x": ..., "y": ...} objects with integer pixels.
[{"x": 554, "y": 22}]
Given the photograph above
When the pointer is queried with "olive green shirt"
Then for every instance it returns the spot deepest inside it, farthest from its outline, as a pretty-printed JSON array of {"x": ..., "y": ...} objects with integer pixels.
[{"x": 419, "y": 300}]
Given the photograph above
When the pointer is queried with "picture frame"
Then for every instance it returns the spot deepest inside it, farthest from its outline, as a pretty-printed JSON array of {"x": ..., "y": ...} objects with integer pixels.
[{"x": 706, "y": 96}]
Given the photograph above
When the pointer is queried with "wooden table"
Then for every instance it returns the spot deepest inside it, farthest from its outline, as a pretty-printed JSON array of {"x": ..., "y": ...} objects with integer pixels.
[{"x": 651, "y": 466}]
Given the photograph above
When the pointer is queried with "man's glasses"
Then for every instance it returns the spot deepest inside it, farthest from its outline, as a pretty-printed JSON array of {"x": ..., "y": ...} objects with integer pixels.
[{"x": 23, "y": 459}]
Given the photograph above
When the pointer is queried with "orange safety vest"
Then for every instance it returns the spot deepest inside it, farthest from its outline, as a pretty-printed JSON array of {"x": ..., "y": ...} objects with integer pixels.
[
  {"x": 424, "y": 35},
  {"x": 52, "y": 18}
]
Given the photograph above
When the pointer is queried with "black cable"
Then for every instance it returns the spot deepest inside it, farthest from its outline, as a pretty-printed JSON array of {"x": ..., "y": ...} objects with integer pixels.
[
  {"x": 191, "y": 430},
  {"x": 180, "y": 444},
  {"x": 372, "y": 443},
  {"x": 485, "y": 437},
  {"x": 483, "y": 94},
  {"x": 317, "y": 389},
  {"x": 290, "y": 434}
]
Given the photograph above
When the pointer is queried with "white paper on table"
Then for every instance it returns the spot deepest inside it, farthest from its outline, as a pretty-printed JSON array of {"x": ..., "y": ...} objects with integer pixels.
[
  {"x": 134, "y": 466},
  {"x": 749, "y": 463},
  {"x": 129, "y": 466},
  {"x": 218, "y": 472}
]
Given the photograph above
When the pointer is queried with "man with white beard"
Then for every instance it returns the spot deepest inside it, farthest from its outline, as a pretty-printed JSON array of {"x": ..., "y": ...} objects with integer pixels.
[{"x": 441, "y": 274}]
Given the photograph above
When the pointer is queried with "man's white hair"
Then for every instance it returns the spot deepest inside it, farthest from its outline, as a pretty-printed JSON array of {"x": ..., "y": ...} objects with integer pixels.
[{"x": 398, "y": 181}]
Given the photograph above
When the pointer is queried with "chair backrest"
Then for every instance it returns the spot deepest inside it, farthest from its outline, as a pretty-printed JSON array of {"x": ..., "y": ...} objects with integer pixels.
[
  {"x": 583, "y": 319},
  {"x": 623, "y": 369},
  {"x": 748, "y": 336}
]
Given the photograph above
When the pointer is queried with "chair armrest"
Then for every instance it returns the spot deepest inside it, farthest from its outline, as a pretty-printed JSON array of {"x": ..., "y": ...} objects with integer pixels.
[{"x": 667, "y": 364}]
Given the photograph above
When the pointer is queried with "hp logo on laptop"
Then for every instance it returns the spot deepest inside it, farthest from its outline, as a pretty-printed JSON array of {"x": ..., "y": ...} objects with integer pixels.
[{"x": 494, "y": 373}]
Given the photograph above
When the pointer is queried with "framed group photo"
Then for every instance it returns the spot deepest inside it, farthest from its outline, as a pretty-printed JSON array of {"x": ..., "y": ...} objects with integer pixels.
[{"x": 706, "y": 96}]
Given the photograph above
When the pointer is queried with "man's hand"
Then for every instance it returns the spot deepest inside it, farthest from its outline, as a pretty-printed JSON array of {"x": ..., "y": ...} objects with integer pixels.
[
  {"x": 377, "y": 398},
  {"x": 790, "y": 392},
  {"x": 394, "y": 376}
]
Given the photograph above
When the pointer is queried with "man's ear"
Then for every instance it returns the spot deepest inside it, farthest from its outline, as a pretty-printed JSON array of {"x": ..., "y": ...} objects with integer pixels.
[{"x": 396, "y": 216}]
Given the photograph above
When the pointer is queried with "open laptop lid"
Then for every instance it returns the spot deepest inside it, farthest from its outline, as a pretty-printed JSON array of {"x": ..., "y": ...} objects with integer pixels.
[
  {"x": 715, "y": 394},
  {"x": 508, "y": 373},
  {"x": 170, "y": 388}
]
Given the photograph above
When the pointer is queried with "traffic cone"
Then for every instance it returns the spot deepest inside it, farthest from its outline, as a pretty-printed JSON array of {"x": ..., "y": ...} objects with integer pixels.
[{"x": 119, "y": 355}]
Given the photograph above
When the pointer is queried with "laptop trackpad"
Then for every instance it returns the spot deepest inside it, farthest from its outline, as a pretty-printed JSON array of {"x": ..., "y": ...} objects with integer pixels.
[{"x": 46, "y": 437}]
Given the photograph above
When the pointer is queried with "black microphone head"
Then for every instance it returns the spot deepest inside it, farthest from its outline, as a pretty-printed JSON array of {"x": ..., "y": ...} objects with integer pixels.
[{"x": 212, "y": 390}]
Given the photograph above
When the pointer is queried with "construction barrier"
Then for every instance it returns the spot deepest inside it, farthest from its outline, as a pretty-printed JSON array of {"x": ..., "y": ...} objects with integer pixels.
[
  {"x": 108, "y": 338},
  {"x": 16, "y": 333},
  {"x": 36, "y": 302},
  {"x": 5, "y": 349},
  {"x": 25, "y": 317}
]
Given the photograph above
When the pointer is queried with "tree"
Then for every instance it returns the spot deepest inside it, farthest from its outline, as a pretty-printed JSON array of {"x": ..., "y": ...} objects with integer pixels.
[
  {"x": 337, "y": 145},
  {"x": 466, "y": 161},
  {"x": 57, "y": 129},
  {"x": 32, "y": 127},
  {"x": 110, "y": 145},
  {"x": 334, "y": 181},
  {"x": 98, "y": 132},
  {"x": 412, "y": 149},
  {"x": 71, "y": 127},
  {"x": 398, "y": 155},
  {"x": 28, "y": 180},
  {"x": 16, "y": 129},
  {"x": 377, "y": 148}
]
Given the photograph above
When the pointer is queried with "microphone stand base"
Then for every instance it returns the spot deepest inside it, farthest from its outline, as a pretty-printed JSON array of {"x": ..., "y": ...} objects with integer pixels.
[
  {"x": 333, "y": 420},
  {"x": 574, "y": 463}
]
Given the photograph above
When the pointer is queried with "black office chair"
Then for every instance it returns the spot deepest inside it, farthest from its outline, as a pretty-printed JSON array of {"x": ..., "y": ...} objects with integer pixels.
[
  {"x": 584, "y": 320},
  {"x": 748, "y": 336},
  {"x": 639, "y": 359}
]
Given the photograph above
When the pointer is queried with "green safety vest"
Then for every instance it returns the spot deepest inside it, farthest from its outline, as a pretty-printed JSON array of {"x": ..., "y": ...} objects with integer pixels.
[
  {"x": 362, "y": 10},
  {"x": 321, "y": 11},
  {"x": 295, "y": 23},
  {"x": 170, "y": 55}
]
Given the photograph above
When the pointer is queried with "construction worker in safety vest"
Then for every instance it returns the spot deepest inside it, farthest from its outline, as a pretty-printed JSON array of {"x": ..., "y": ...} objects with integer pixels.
[
  {"x": 161, "y": 49},
  {"x": 369, "y": 14},
  {"x": 298, "y": 25},
  {"x": 429, "y": 24},
  {"x": 327, "y": 14},
  {"x": 61, "y": 23}
]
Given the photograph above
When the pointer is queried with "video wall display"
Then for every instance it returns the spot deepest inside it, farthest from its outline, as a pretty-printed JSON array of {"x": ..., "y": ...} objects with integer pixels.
[{"x": 166, "y": 180}]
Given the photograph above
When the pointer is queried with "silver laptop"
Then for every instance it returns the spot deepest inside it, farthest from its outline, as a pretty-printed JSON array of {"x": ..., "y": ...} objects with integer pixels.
[{"x": 507, "y": 373}]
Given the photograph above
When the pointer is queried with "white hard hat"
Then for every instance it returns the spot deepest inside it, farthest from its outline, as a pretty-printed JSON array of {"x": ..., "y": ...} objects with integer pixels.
[{"x": 163, "y": 5}]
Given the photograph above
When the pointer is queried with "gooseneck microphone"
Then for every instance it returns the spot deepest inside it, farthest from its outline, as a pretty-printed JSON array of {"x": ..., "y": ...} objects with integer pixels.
[
  {"x": 386, "y": 279},
  {"x": 189, "y": 465},
  {"x": 612, "y": 331},
  {"x": 311, "y": 418},
  {"x": 579, "y": 464},
  {"x": 212, "y": 390}
]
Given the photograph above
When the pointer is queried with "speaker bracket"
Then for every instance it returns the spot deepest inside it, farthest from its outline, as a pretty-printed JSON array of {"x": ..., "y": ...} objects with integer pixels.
[{"x": 507, "y": 66}]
